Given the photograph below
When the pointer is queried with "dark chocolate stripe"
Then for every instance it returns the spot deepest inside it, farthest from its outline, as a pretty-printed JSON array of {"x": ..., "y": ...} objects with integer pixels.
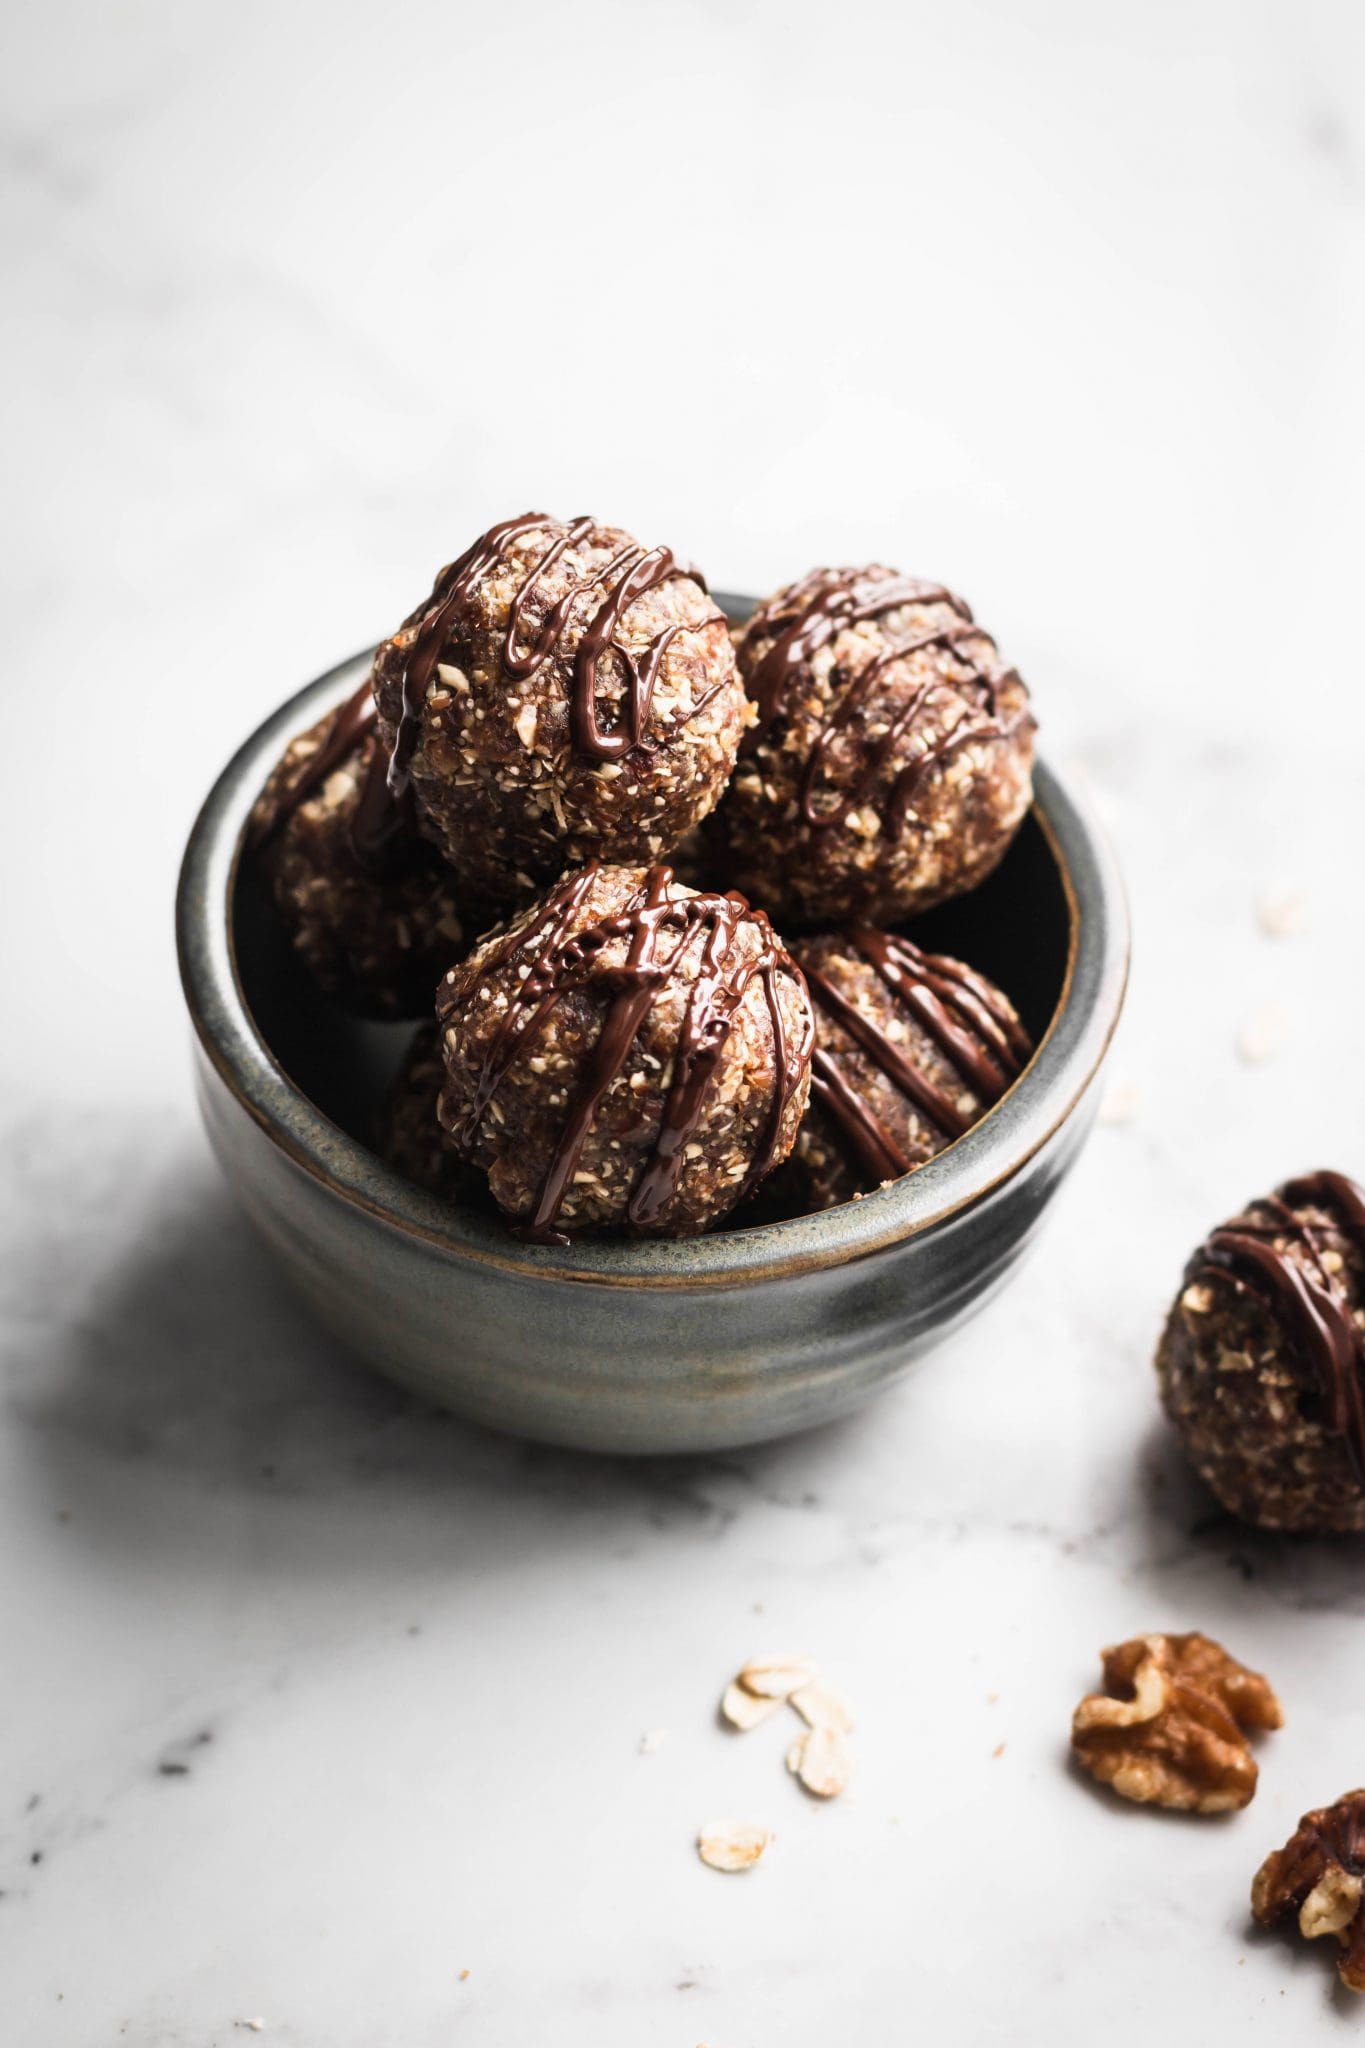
[
  {"x": 630, "y": 575},
  {"x": 967, "y": 1019},
  {"x": 1316, "y": 1308},
  {"x": 565, "y": 960},
  {"x": 817, "y": 608},
  {"x": 875, "y": 1147},
  {"x": 383, "y": 834}
]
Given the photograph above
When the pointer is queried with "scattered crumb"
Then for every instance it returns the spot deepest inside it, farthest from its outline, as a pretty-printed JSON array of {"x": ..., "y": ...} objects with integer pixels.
[
  {"x": 999, "y": 1749},
  {"x": 991, "y": 1698},
  {"x": 823, "y": 1706},
  {"x": 1282, "y": 911},
  {"x": 651, "y": 1740},
  {"x": 743, "y": 1709},
  {"x": 1120, "y": 1103},
  {"x": 732, "y": 1845},
  {"x": 1262, "y": 1036},
  {"x": 776, "y": 1678},
  {"x": 464, "y": 1976},
  {"x": 820, "y": 1760}
]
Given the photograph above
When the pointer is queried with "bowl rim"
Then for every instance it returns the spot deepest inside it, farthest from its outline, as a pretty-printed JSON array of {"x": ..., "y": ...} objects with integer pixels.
[{"x": 993, "y": 1151}]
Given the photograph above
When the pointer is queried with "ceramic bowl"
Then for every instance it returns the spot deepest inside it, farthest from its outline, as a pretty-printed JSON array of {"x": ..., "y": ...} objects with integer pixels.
[{"x": 636, "y": 1345}]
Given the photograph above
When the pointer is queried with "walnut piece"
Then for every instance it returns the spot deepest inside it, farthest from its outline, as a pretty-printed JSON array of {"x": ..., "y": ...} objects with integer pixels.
[
  {"x": 1170, "y": 1727},
  {"x": 1318, "y": 1875}
]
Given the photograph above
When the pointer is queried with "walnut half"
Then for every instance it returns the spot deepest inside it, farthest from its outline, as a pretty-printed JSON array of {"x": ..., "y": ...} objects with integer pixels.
[
  {"x": 1318, "y": 1875},
  {"x": 1170, "y": 1727}
]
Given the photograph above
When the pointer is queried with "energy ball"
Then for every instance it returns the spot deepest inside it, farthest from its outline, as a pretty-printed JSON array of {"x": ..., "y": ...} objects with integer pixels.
[
  {"x": 1262, "y": 1362},
  {"x": 565, "y": 694},
  {"x": 911, "y": 1049},
  {"x": 892, "y": 756},
  {"x": 371, "y": 908},
  {"x": 626, "y": 1054},
  {"x": 410, "y": 1138}
]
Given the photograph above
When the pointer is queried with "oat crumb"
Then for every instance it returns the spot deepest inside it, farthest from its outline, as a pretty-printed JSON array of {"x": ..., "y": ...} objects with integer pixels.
[
  {"x": 1262, "y": 1036},
  {"x": 1282, "y": 911},
  {"x": 732, "y": 1845},
  {"x": 1120, "y": 1103}
]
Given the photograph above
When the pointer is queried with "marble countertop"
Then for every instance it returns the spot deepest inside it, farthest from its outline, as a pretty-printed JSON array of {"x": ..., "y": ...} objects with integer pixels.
[{"x": 324, "y": 1712}]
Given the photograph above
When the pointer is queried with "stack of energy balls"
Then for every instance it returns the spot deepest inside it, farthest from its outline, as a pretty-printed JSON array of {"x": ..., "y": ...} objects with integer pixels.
[{"x": 565, "y": 749}]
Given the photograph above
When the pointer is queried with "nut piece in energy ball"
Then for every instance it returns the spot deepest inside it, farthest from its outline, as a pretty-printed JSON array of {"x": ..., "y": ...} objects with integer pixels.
[
  {"x": 626, "y": 1054},
  {"x": 371, "y": 908},
  {"x": 410, "y": 1138},
  {"x": 1317, "y": 1878},
  {"x": 892, "y": 756},
  {"x": 911, "y": 1050},
  {"x": 565, "y": 693},
  {"x": 1262, "y": 1361},
  {"x": 1170, "y": 1728}
]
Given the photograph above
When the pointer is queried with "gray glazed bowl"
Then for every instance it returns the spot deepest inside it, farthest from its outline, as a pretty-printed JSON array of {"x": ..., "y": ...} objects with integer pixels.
[{"x": 635, "y": 1345}]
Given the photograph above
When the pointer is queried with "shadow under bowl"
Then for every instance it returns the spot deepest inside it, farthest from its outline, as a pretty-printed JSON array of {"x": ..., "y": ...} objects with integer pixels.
[{"x": 635, "y": 1345}]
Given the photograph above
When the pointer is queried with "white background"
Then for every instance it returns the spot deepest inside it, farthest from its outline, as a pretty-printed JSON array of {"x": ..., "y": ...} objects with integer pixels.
[{"x": 1062, "y": 303}]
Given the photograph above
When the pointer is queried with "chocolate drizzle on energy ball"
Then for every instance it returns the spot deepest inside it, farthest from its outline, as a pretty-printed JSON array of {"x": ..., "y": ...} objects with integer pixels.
[
  {"x": 1307, "y": 1291},
  {"x": 630, "y": 573},
  {"x": 889, "y": 763},
  {"x": 382, "y": 834},
  {"x": 970, "y": 1023},
  {"x": 822, "y": 605},
  {"x": 658, "y": 924},
  {"x": 817, "y": 608},
  {"x": 370, "y": 910}
]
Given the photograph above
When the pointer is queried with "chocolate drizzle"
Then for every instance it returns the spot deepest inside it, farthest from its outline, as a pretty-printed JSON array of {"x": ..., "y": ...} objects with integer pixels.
[
  {"x": 561, "y": 959},
  {"x": 383, "y": 830},
  {"x": 383, "y": 836},
  {"x": 629, "y": 575},
  {"x": 969, "y": 1021},
  {"x": 818, "y": 608},
  {"x": 1253, "y": 1250}
]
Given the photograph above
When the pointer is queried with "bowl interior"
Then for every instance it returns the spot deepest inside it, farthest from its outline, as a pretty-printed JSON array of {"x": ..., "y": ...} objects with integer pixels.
[{"x": 1015, "y": 928}]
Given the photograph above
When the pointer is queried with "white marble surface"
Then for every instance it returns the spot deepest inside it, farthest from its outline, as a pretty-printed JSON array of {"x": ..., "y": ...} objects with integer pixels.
[{"x": 314, "y": 1701}]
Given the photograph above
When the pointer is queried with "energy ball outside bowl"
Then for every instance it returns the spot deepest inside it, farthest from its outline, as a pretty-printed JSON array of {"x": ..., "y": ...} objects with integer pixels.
[
  {"x": 628, "y": 1054},
  {"x": 564, "y": 694},
  {"x": 912, "y": 1049},
  {"x": 1262, "y": 1361},
  {"x": 372, "y": 910},
  {"x": 892, "y": 757}
]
